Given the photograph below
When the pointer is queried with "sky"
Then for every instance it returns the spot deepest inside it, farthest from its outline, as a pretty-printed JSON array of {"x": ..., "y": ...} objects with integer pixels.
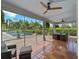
[{"x": 17, "y": 17}]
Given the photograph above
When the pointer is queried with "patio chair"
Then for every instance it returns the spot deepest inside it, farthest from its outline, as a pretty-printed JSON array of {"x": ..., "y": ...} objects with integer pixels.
[
  {"x": 6, "y": 55},
  {"x": 25, "y": 52},
  {"x": 13, "y": 50}
]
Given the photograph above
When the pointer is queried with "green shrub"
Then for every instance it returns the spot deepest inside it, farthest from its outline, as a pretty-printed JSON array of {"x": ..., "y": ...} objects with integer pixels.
[
  {"x": 59, "y": 30},
  {"x": 30, "y": 31},
  {"x": 50, "y": 30},
  {"x": 6, "y": 30},
  {"x": 73, "y": 31},
  {"x": 38, "y": 31},
  {"x": 17, "y": 30}
]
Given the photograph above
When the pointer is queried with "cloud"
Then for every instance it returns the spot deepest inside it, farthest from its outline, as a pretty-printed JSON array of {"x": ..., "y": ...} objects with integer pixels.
[{"x": 9, "y": 14}]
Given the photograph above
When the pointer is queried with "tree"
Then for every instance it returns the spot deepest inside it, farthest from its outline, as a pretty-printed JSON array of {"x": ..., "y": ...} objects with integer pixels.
[
  {"x": 2, "y": 17},
  {"x": 16, "y": 26},
  {"x": 2, "y": 20},
  {"x": 23, "y": 24},
  {"x": 35, "y": 25}
]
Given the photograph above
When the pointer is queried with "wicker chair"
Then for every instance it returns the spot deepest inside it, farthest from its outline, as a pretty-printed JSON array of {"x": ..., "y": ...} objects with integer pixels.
[{"x": 12, "y": 48}]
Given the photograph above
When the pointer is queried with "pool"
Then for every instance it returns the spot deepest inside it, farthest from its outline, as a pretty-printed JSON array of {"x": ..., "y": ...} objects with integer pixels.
[{"x": 21, "y": 33}]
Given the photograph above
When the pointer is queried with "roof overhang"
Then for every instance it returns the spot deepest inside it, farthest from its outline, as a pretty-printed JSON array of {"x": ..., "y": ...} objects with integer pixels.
[{"x": 69, "y": 14}]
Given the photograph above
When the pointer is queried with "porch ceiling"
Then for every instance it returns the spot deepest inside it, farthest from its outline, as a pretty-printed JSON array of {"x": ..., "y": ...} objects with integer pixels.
[{"x": 33, "y": 8}]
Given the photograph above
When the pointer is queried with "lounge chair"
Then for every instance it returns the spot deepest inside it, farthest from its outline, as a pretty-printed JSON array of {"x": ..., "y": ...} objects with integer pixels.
[
  {"x": 6, "y": 55},
  {"x": 13, "y": 50}
]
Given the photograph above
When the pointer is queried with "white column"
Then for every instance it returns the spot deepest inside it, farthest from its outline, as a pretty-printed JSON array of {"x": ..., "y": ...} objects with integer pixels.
[{"x": 54, "y": 30}]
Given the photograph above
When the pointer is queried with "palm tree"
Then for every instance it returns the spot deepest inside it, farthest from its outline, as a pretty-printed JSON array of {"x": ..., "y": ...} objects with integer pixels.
[
  {"x": 35, "y": 25},
  {"x": 23, "y": 24},
  {"x": 16, "y": 27}
]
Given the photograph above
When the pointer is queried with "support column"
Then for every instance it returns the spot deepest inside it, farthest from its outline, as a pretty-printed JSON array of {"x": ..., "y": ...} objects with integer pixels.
[
  {"x": 44, "y": 39},
  {"x": 54, "y": 30},
  {"x": 36, "y": 39},
  {"x": 24, "y": 32},
  {"x": 44, "y": 31}
]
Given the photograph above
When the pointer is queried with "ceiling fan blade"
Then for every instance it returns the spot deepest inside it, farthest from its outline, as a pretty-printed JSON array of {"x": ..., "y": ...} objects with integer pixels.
[
  {"x": 55, "y": 8},
  {"x": 45, "y": 12},
  {"x": 51, "y": 1},
  {"x": 43, "y": 4}
]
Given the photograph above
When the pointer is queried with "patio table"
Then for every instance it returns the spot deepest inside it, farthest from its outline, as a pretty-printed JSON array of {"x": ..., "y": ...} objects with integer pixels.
[{"x": 59, "y": 36}]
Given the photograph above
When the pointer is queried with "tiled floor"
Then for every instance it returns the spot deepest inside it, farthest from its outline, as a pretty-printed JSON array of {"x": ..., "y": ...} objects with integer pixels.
[
  {"x": 63, "y": 50},
  {"x": 58, "y": 50},
  {"x": 54, "y": 49}
]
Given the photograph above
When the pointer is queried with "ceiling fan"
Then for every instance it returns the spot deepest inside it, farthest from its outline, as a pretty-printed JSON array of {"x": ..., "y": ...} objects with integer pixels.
[{"x": 48, "y": 7}]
